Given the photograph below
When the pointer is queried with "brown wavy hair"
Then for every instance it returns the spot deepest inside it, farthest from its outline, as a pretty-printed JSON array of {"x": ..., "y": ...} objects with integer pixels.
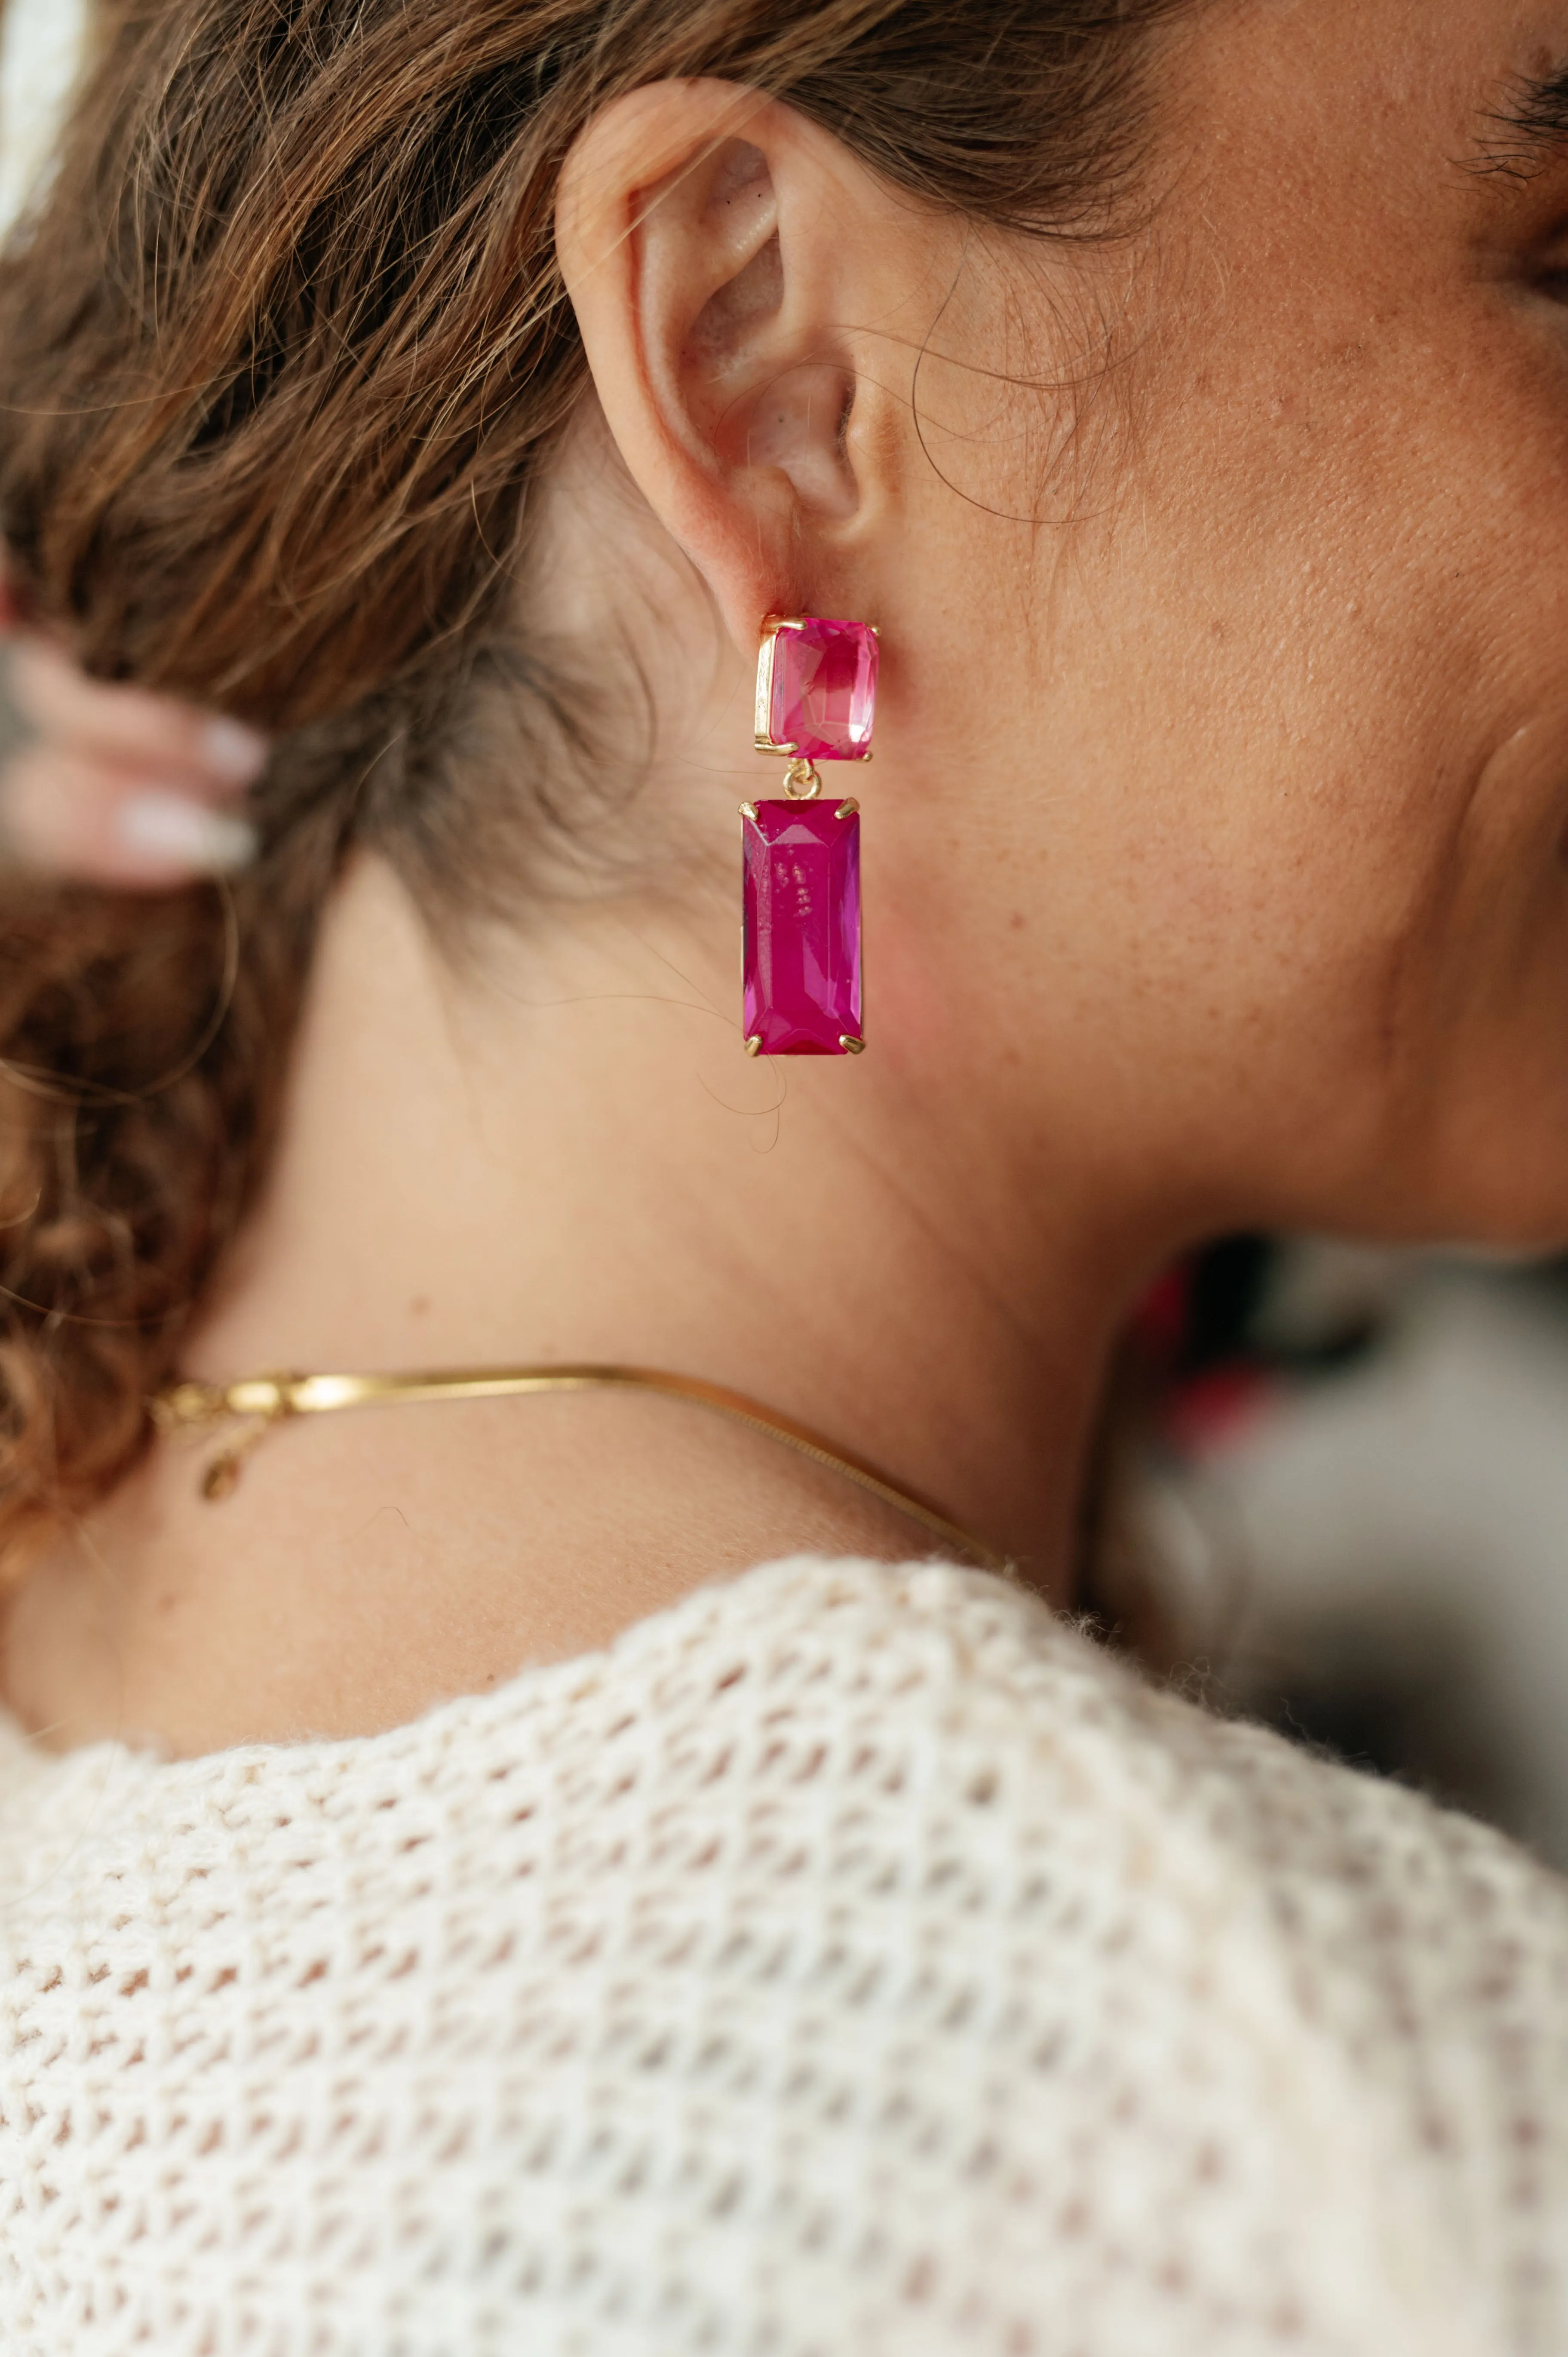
[{"x": 282, "y": 349}]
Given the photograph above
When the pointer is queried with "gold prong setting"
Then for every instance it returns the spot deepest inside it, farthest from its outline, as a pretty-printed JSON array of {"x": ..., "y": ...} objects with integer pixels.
[
  {"x": 822, "y": 685},
  {"x": 762, "y": 737}
]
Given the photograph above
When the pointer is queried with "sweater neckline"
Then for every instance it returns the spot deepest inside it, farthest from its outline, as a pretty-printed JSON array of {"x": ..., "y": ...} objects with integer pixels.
[{"x": 673, "y": 1628}]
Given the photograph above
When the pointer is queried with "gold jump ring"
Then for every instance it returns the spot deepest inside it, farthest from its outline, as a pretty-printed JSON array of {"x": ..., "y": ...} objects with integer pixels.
[{"x": 802, "y": 783}]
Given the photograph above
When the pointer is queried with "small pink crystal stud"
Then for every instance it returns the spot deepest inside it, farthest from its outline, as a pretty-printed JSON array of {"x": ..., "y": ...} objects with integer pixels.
[
  {"x": 801, "y": 928},
  {"x": 816, "y": 689}
]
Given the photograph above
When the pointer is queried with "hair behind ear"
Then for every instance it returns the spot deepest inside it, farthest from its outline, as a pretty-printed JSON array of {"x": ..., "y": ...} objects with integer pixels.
[{"x": 283, "y": 348}]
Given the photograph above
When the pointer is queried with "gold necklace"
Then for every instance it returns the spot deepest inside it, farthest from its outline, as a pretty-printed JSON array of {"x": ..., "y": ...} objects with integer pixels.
[{"x": 260, "y": 1402}]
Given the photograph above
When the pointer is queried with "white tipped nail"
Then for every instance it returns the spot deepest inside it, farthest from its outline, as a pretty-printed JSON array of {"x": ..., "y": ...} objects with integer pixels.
[
  {"x": 233, "y": 752},
  {"x": 171, "y": 826}
]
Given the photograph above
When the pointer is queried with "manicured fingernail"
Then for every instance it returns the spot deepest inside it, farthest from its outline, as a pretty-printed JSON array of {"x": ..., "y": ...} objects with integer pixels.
[
  {"x": 171, "y": 826},
  {"x": 233, "y": 751}
]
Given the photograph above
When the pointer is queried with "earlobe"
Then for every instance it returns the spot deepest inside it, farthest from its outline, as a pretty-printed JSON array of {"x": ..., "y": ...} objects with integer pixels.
[{"x": 694, "y": 234}]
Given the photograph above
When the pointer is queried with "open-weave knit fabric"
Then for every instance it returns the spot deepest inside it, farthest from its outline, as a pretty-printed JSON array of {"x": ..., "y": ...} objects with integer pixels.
[{"x": 852, "y": 1959}]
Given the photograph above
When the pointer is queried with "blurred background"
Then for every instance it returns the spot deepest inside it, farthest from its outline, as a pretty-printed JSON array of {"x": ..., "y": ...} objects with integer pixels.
[
  {"x": 39, "y": 48},
  {"x": 1357, "y": 1499}
]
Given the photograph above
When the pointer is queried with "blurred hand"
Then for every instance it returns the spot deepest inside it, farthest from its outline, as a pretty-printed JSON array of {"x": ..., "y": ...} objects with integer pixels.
[{"x": 116, "y": 786}]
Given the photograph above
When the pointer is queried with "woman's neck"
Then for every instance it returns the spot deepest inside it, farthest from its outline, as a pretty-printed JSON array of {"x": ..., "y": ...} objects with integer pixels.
[{"x": 560, "y": 1153}]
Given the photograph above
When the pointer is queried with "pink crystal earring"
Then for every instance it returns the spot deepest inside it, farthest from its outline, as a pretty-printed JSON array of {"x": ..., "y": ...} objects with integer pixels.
[{"x": 816, "y": 701}]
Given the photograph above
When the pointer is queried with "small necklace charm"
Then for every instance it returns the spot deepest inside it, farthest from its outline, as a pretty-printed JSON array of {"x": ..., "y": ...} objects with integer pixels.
[{"x": 816, "y": 701}]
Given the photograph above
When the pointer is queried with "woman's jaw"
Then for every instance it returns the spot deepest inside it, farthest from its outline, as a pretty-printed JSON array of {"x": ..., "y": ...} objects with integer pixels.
[
  {"x": 1214, "y": 839},
  {"x": 1213, "y": 869}
]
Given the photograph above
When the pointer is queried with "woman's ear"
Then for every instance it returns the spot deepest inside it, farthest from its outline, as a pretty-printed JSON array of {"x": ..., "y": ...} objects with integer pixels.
[{"x": 714, "y": 244}]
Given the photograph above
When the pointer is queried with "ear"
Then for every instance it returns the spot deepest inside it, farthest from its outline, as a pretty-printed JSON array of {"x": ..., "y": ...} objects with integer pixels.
[{"x": 715, "y": 246}]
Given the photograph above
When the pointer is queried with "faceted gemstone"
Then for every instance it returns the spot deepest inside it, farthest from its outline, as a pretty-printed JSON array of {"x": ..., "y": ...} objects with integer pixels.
[
  {"x": 824, "y": 697},
  {"x": 800, "y": 903}
]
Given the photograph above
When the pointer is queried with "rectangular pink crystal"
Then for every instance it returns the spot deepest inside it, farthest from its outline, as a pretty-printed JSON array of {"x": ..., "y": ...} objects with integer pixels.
[
  {"x": 824, "y": 694},
  {"x": 800, "y": 907}
]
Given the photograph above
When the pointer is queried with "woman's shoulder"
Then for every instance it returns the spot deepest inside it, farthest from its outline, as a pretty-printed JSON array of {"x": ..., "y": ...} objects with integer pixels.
[{"x": 852, "y": 1957}]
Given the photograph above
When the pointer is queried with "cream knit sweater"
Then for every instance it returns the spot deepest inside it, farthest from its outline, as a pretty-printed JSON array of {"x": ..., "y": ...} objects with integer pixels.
[{"x": 852, "y": 1959}]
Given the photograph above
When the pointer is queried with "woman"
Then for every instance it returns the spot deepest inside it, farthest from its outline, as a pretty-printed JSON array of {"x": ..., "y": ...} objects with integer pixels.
[{"x": 554, "y": 1873}]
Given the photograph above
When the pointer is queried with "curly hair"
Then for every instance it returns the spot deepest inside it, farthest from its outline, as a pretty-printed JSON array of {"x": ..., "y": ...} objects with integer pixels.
[{"x": 282, "y": 346}]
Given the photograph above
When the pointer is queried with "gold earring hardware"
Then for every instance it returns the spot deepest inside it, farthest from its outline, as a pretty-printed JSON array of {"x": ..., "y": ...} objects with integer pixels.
[
  {"x": 803, "y": 782},
  {"x": 762, "y": 738}
]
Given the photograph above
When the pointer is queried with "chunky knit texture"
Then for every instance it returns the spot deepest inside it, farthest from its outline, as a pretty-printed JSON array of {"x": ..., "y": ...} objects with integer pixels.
[{"x": 850, "y": 1960}]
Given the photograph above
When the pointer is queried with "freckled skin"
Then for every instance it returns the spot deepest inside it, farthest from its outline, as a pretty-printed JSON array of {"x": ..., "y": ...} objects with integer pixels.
[
  {"x": 1309, "y": 657},
  {"x": 1214, "y": 873}
]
